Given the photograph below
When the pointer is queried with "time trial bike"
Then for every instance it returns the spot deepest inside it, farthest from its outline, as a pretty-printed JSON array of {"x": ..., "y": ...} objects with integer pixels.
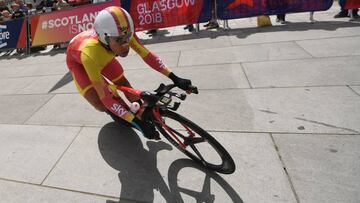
[{"x": 195, "y": 142}]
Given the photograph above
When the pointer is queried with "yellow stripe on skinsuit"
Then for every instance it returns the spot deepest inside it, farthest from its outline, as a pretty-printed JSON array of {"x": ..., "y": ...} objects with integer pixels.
[
  {"x": 120, "y": 15},
  {"x": 138, "y": 47},
  {"x": 117, "y": 78}
]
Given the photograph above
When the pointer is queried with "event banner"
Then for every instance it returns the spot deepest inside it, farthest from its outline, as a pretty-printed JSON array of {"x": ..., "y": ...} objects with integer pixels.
[
  {"x": 13, "y": 34},
  {"x": 166, "y": 13},
  {"x": 230, "y": 9},
  {"x": 350, "y": 4},
  {"x": 62, "y": 26}
]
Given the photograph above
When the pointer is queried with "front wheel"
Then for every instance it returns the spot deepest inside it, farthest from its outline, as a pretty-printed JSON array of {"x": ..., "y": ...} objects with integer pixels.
[{"x": 194, "y": 141}]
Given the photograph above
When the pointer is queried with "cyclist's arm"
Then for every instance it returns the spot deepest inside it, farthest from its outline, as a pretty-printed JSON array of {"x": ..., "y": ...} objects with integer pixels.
[
  {"x": 150, "y": 58},
  {"x": 97, "y": 80}
]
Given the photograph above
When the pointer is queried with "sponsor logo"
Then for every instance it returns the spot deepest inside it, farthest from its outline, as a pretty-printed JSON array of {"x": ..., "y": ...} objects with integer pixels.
[
  {"x": 4, "y": 35},
  {"x": 118, "y": 109},
  {"x": 151, "y": 11},
  {"x": 75, "y": 23}
]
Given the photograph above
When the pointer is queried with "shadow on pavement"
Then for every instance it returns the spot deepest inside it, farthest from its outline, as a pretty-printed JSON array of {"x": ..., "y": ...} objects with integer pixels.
[
  {"x": 245, "y": 32},
  {"x": 35, "y": 51},
  {"x": 205, "y": 192},
  {"x": 138, "y": 174},
  {"x": 161, "y": 37},
  {"x": 67, "y": 78}
]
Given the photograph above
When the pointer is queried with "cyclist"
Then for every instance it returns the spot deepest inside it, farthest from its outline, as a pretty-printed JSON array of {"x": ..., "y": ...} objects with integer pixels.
[{"x": 91, "y": 57}]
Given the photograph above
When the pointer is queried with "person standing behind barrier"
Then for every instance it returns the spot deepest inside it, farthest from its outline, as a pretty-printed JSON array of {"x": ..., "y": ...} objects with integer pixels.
[
  {"x": 212, "y": 24},
  {"x": 22, "y": 6},
  {"x": 61, "y": 5},
  {"x": 17, "y": 12},
  {"x": 189, "y": 27},
  {"x": 5, "y": 15},
  {"x": 3, "y": 6},
  {"x": 280, "y": 6},
  {"x": 45, "y": 6},
  {"x": 280, "y": 18},
  {"x": 344, "y": 13}
]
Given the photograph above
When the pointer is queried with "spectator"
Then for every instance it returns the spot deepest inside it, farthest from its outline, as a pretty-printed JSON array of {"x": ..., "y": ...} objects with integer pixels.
[
  {"x": 30, "y": 4},
  {"x": 79, "y": 2},
  {"x": 3, "y": 6},
  {"x": 5, "y": 15},
  {"x": 152, "y": 32},
  {"x": 344, "y": 12},
  {"x": 22, "y": 6},
  {"x": 17, "y": 12},
  {"x": 212, "y": 24},
  {"x": 189, "y": 27},
  {"x": 45, "y": 6},
  {"x": 61, "y": 5},
  {"x": 280, "y": 18},
  {"x": 98, "y": 1}
]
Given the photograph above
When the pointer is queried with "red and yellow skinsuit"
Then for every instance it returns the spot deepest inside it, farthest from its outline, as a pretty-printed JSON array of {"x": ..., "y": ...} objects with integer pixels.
[{"x": 89, "y": 62}]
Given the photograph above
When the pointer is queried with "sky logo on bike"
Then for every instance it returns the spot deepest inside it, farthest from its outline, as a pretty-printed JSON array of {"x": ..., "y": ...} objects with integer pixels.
[
  {"x": 4, "y": 35},
  {"x": 118, "y": 109}
]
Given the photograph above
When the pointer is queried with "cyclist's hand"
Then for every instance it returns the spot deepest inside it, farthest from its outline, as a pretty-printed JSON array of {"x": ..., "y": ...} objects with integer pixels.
[
  {"x": 147, "y": 128},
  {"x": 182, "y": 83}
]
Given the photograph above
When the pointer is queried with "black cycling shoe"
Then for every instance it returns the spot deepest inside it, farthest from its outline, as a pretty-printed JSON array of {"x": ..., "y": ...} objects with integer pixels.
[
  {"x": 342, "y": 14},
  {"x": 147, "y": 128}
]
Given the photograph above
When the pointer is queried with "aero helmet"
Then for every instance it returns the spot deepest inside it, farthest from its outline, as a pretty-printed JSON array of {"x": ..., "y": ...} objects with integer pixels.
[{"x": 113, "y": 21}]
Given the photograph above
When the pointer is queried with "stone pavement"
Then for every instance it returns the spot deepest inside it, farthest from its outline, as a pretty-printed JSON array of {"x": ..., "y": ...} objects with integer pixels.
[{"x": 284, "y": 101}]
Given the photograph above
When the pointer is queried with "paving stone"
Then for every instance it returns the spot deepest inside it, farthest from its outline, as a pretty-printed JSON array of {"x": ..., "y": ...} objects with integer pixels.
[
  {"x": 135, "y": 62},
  {"x": 43, "y": 69},
  {"x": 28, "y": 153},
  {"x": 300, "y": 110},
  {"x": 13, "y": 85},
  {"x": 40, "y": 85},
  {"x": 342, "y": 46},
  {"x": 323, "y": 168},
  {"x": 246, "y": 53},
  {"x": 16, "y": 109},
  {"x": 304, "y": 72},
  {"x": 193, "y": 42},
  {"x": 356, "y": 89},
  {"x": 12, "y": 192},
  {"x": 222, "y": 76},
  {"x": 71, "y": 110},
  {"x": 142, "y": 170}
]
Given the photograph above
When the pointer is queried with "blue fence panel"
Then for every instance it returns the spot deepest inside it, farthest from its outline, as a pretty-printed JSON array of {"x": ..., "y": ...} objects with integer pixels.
[{"x": 12, "y": 34}]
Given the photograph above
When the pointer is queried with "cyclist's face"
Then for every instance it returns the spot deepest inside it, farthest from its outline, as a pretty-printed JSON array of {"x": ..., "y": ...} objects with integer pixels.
[{"x": 120, "y": 45}]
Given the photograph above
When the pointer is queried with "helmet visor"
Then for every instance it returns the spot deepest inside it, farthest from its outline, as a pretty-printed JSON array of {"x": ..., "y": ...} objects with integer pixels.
[{"x": 122, "y": 39}]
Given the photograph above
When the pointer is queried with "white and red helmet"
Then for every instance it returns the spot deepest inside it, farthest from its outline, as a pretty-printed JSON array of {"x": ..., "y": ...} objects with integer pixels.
[{"x": 113, "y": 21}]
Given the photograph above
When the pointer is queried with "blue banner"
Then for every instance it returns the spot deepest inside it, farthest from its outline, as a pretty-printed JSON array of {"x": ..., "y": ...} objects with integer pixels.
[
  {"x": 13, "y": 34},
  {"x": 231, "y": 9}
]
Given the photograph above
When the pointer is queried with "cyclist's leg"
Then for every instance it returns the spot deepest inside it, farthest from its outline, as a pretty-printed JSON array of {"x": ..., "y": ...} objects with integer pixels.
[
  {"x": 115, "y": 73},
  {"x": 84, "y": 87},
  {"x": 92, "y": 97}
]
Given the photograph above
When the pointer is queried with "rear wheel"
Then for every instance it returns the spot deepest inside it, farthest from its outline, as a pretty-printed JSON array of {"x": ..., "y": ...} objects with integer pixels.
[{"x": 194, "y": 141}]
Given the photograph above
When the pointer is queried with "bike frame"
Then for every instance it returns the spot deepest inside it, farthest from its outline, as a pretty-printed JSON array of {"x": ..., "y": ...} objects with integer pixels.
[{"x": 156, "y": 114}]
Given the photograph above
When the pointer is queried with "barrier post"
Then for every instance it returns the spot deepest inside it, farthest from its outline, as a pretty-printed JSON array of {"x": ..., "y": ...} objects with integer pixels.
[
  {"x": 351, "y": 13},
  {"x": 28, "y": 34}
]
